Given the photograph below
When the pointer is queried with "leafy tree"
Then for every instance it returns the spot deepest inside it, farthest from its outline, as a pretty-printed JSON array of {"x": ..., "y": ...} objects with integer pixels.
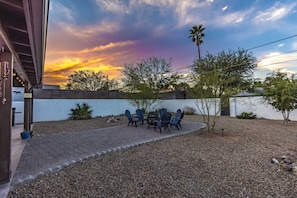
[
  {"x": 222, "y": 76},
  {"x": 196, "y": 34},
  {"x": 235, "y": 70},
  {"x": 145, "y": 80},
  {"x": 280, "y": 91},
  {"x": 87, "y": 80}
]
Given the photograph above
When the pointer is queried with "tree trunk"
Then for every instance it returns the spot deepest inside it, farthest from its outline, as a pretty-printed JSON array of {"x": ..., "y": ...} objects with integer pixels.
[
  {"x": 199, "y": 58},
  {"x": 286, "y": 117}
]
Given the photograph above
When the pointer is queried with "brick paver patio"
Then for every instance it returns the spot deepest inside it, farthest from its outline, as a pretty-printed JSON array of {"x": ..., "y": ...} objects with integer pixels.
[{"x": 52, "y": 152}]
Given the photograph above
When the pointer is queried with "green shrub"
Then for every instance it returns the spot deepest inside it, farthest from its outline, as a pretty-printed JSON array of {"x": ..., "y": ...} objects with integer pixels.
[
  {"x": 245, "y": 115},
  {"x": 189, "y": 110},
  {"x": 81, "y": 112}
]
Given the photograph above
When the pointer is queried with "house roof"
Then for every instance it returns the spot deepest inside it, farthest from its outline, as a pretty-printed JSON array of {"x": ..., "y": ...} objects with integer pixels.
[{"x": 23, "y": 31}]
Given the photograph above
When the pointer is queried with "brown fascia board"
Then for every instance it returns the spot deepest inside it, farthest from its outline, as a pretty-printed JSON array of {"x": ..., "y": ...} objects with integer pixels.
[{"x": 30, "y": 9}]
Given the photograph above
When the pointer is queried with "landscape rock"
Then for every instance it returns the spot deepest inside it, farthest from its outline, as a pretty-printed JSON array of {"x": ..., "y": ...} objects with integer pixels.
[
  {"x": 274, "y": 161},
  {"x": 294, "y": 170},
  {"x": 112, "y": 120},
  {"x": 287, "y": 162}
]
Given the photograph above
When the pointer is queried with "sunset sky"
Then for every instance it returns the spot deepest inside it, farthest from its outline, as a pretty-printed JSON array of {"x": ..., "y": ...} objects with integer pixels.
[{"x": 106, "y": 34}]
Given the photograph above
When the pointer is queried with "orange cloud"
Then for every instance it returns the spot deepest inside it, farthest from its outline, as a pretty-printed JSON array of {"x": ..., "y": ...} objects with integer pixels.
[
  {"x": 60, "y": 64},
  {"x": 57, "y": 73},
  {"x": 91, "y": 50},
  {"x": 108, "y": 46}
]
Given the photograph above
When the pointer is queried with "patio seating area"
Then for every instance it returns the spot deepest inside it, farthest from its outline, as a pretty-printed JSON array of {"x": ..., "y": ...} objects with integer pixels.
[{"x": 158, "y": 120}]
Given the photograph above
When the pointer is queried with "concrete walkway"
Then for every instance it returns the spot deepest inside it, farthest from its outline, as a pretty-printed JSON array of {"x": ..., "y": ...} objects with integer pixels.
[
  {"x": 52, "y": 152},
  {"x": 17, "y": 147}
]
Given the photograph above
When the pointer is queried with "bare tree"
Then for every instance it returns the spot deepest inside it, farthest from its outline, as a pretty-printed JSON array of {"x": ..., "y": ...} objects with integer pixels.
[
  {"x": 87, "y": 80},
  {"x": 145, "y": 80}
]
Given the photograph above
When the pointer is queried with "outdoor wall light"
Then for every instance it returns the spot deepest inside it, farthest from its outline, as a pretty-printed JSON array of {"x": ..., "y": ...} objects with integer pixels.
[{"x": 4, "y": 72}]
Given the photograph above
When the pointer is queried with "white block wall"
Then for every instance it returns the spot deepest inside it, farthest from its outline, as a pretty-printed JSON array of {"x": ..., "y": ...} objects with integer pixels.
[
  {"x": 19, "y": 111},
  {"x": 59, "y": 109},
  {"x": 256, "y": 105},
  {"x": 173, "y": 105}
]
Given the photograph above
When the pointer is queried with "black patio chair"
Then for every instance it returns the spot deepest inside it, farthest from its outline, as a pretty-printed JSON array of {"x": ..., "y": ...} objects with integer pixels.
[
  {"x": 163, "y": 122},
  {"x": 162, "y": 111},
  {"x": 181, "y": 117},
  {"x": 151, "y": 118},
  {"x": 130, "y": 118}
]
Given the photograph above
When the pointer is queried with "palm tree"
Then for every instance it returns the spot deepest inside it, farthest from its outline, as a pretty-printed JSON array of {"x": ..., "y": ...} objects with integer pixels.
[{"x": 196, "y": 34}]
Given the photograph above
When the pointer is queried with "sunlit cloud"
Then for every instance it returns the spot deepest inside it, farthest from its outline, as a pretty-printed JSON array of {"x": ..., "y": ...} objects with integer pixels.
[
  {"x": 276, "y": 61},
  {"x": 107, "y": 58},
  {"x": 59, "y": 11},
  {"x": 58, "y": 72},
  {"x": 89, "y": 52},
  {"x": 112, "y": 6},
  {"x": 159, "y": 31},
  {"x": 185, "y": 11},
  {"x": 281, "y": 45},
  {"x": 108, "y": 46},
  {"x": 294, "y": 45},
  {"x": 239, "y": 20},
  {"x": 86, "y": 32},
  {"x": 274, "y": 13},
  {"x": 230, "y": 19},
  {"x": 116, "y": 32}
]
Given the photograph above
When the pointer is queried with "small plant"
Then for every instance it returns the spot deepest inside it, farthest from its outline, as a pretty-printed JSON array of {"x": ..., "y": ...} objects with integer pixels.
[
  {"x": 245, "y": 115},
  {"x": 189, "y": 110},
  {"x": 81, "y": 112},
  {"x": 143, "y": 110}
]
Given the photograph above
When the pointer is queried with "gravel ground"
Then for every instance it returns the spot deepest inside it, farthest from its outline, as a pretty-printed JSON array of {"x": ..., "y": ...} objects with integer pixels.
[
  {"x": 43, "y": 128},
  {"x": 194, "y": 165}
]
